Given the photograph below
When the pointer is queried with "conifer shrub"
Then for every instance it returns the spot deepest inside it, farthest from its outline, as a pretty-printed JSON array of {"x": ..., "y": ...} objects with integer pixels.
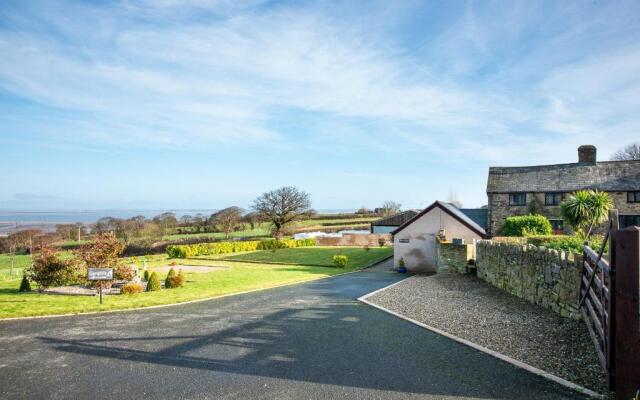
[
  {"x": 132, "y": 288},
  {"x": 169, "y": 281},
  {"x": 146, "y": 275},
  {"x": 25, "y": 286},
  {"x": 154, "y": 283},
  {"x": 340, "y": 261}
]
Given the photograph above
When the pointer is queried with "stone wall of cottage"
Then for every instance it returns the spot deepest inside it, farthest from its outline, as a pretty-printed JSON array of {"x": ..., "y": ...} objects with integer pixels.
[
  {"x": 545, "y": 277},
  {"x": 453, "y": 257},
  {"x": 499, "y": 209}
]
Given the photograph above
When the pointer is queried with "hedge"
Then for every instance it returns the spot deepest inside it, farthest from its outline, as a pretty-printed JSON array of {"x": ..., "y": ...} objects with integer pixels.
[
  {"x": 204, "y": 249},
  {"x": 527, "y": 225}
]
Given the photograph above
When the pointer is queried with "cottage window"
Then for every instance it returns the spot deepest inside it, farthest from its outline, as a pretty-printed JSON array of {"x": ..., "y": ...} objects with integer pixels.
[
  {"x": 517, "y": 199},
  {"x": 629, "y": 220},
  {"x": 552, "y": 199},
  {"x": 633, "y": 197}
]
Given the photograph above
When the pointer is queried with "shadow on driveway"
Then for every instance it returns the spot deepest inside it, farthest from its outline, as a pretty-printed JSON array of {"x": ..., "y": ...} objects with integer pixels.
[{"x": 314, "y": 339}]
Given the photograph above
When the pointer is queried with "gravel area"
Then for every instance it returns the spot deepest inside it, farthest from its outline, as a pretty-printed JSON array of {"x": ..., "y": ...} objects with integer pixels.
[{"x": 470, "y": 308}]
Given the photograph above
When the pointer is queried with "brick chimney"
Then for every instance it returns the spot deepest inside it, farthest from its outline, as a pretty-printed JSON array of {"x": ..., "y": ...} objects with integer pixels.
[{"x": 587, "y": 154}]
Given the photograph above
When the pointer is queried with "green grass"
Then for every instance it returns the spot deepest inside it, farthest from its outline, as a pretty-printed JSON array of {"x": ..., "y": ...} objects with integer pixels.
[
  {"x": 239, "y": 277},
  {"x": 317, "y": 256}
]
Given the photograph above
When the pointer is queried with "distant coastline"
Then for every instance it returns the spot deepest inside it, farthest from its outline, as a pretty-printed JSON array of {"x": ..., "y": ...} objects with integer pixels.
[{"x": 13, "y": 220}]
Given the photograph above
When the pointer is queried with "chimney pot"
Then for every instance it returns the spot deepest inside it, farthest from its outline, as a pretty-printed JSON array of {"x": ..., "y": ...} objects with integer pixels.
[{"x": 587, "y": 154}]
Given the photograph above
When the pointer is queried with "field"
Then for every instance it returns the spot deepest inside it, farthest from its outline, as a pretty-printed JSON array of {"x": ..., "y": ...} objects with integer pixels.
[
  {"x": 300, "y": 266},
  {"x": 263, "y": 229}
]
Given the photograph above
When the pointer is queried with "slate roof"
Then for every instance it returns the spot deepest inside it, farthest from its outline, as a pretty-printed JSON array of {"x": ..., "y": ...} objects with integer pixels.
[
  {"x": 396, "y": 219},
  {"x": 449, "y": 209},
  {"x": 606, "y": 175}
]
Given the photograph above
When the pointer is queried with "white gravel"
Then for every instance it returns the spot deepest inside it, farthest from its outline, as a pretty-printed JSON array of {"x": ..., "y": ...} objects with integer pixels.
[{"x": 470, "y": 308}]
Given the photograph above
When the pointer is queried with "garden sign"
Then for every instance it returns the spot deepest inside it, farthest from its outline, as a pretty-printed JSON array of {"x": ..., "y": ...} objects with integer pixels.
[{"x": 100, "y": 274}]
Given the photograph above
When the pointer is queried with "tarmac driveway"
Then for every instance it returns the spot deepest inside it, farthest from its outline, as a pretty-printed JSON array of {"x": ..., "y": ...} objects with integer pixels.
[{"x": 308, "y": 341}]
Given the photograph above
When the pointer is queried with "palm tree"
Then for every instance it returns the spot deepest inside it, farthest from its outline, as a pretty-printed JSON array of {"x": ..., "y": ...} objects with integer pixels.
[{"x": 585, "y": 209}]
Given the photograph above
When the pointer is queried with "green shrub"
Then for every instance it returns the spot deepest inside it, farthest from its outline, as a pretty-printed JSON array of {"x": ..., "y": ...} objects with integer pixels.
[
  {"x": 25, "y": 286},
  {"x": 132, "y": 288},
  {"x": 340, "y": 261},
  {"x": 572, "y": 243},
  {"x": 567, "y": 243},
  {"x": 526, "y": 225},
  {"x": 168, "y": 282},
  {"x": 154, "y": 283},
  {"x": 146, "y": 275},
  {"x": 49, "y": 269}
]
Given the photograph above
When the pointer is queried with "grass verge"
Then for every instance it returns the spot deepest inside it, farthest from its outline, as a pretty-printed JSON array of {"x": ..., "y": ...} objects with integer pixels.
[{"x": 238, "y": 277}]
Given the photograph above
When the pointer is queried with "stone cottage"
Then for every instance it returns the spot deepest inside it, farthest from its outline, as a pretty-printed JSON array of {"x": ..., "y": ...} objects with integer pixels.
[{"x": 540, "y": 189}]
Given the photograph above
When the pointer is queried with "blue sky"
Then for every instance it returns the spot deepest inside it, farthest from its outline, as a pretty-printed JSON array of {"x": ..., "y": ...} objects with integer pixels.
[{"x": 171, "y": 104}]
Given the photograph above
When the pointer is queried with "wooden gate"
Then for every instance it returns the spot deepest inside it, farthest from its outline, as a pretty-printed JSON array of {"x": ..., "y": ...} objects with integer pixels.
[{"x": 609, "y": 305}]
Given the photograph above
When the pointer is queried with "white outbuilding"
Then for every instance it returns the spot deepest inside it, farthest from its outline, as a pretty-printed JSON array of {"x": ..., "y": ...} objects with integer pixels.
[{"x": 415, "y": 240}]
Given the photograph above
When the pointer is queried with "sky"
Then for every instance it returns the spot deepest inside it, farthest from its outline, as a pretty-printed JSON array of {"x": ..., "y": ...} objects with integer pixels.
[{"x": 207, "y": 104}]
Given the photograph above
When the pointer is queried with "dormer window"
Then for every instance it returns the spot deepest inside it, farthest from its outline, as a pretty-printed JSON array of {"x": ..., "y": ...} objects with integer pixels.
[
  {"x": 633, "y": 197},
  {"x": 517, "y": 199},
  {"x": 552, "y": 199}
]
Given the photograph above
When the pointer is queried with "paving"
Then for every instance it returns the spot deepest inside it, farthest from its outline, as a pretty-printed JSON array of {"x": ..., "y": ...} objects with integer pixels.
[
  {"x": 306, "y": 341},
  {"x": 472, "y": 309}
]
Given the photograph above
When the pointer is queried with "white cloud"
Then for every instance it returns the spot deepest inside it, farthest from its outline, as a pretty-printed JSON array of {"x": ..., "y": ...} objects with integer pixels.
[{"x": 150, "y": 74}]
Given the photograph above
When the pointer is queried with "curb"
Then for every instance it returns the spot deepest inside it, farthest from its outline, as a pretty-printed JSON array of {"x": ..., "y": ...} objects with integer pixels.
[
  {"x": 183, "y": 302},
  {"x": 500, "y": 356}
]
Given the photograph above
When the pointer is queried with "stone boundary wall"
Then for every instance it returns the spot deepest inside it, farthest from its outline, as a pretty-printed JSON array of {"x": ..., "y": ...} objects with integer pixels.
[
  {"x": 453, "y": 257},
  {"x": 350, "y": 239},
  {"x": 548, "y": 278}
]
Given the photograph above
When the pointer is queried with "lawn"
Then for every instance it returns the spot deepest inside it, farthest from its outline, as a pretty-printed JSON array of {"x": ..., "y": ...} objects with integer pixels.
[
  {"x": 316, "y": 256},
  {"x": 20, "y": 261},
  {"x": 240, "y": 276}
]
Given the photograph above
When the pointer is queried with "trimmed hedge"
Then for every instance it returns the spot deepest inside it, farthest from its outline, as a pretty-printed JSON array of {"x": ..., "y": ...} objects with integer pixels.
[
  {"x": 272, "y": 244},
  {"x": 205, "y": 249},
  {"x": 527, "y": 225}
]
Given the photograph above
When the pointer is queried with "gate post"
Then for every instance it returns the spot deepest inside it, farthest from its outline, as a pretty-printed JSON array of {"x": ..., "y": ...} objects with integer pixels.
[{"x": 624, "y": 295}]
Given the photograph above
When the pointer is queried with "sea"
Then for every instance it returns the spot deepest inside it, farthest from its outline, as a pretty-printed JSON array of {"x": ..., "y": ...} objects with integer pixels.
[{"x": 11, "y": 221}]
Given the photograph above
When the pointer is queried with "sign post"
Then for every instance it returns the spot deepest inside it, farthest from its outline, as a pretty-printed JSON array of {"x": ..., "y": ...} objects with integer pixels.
[{"x": 100, "y": 275}]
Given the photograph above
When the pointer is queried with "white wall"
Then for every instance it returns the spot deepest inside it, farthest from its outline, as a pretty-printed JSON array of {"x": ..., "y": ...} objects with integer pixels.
[
  {"x": 383, "y": 229},
  {"x": 419, "y": 253}
]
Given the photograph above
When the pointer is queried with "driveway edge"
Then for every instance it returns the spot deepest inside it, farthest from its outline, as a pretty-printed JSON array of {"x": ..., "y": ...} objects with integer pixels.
[{"x": 500, "y": 356}]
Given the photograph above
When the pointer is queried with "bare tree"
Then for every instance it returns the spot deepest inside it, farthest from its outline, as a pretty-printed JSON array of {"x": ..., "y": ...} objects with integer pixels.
[
  {"x": 389, "y": 208},
  {"x": 629, "y": 152},
  {"x": 282, "y": 206},
  {"x": 227, "y": 220}
]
